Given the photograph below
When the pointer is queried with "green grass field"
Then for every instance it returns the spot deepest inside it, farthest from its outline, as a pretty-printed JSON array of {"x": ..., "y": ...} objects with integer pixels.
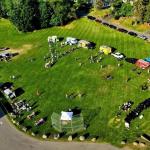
[{"x": 102, "y": 97}]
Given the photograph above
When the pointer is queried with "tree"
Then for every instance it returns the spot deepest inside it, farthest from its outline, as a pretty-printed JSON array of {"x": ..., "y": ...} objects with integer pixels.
[
  {"x": 147, "y": 14},
  {"x": 25, "y": 15},
  {"x": 60, "y": 15},
  {"x": 126, "y": 9},
  {"x": 3, "y": 12},
  {"x": 45, "y": 14},
  {"x": 117, "y": 4},
  {"x": 99, "y": 4},
  {"x": 139, "y": 10}
]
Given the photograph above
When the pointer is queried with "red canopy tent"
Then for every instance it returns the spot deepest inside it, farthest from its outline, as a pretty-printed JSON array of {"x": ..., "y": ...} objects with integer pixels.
[{"x": 142, "y": 64}]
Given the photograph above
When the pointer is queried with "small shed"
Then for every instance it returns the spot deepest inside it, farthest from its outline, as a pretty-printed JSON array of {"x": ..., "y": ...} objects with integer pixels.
[
  {"x": 105, "y": 49},
  {"x": 84, "y": 44},
  {"x": 53, "y": 39},
  {"x": 142, "y": 64}
]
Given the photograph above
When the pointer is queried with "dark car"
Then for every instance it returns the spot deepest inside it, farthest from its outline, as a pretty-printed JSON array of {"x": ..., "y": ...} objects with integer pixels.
[
  {"x": 98, "y": 20},
  {"x": 122, "y": 30},
  {"x": 112, "y": 26},
  {"x": 91, "y": 17},
  {"x": 132, "y": 33},
  {"x": 105, "y": 23}
]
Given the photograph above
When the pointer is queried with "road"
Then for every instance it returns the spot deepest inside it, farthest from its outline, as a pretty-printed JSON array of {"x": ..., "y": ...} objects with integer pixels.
[{"x": 12, "y": 139}]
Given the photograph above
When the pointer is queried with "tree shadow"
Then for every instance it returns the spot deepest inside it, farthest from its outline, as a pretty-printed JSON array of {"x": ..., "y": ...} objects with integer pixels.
[
  {"x": 45, "y": 118},
  {"x": 76, "y": 111},
  {"x": 14, "y": 54},
  {"x": 92, "y": 45},
  {"x": 86, "y": 135},
  {"x": 61, "y": 39},
  {"x": 34, "y": 107},
  {"x": 37, "y": 112},
  {"x": 113, "y": 49}
]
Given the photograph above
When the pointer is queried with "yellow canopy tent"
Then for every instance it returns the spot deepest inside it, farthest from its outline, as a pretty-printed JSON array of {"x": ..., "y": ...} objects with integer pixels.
[{"x": 105, "y": 49}]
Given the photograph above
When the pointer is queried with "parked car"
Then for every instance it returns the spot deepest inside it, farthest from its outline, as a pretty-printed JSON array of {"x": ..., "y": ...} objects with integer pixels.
[
  {"x": 4, "y": 48},
  {"x": 118, "y": 55},
  {"x": 5, "y": 56},
  {"x": 98, "y": 20},
  {"x": 105, "y": 23},
  {"x": 142, "y": 37},
  {"x": 112, "y": 26},
  {"x": 91, "y": 17},
  {"x": 132, "y": 33},
  {"x": 122, "y": 30}
]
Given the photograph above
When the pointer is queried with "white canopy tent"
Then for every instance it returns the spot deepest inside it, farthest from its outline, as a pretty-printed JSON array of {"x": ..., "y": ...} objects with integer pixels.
[{"x": 66, "y": 116}]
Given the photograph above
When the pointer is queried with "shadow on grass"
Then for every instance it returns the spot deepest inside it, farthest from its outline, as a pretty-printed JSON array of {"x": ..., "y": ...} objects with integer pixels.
[
  {"x": 131, "y": 60},
  {"x": 19, "y": 91}
]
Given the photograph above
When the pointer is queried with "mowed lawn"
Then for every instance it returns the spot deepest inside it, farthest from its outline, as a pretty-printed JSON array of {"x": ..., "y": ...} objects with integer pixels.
[{"x": 102, "y": 98}]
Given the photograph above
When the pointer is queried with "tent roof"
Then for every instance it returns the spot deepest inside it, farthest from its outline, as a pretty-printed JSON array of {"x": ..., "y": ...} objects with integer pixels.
[
  {"x": 147, "y": 59},
  {"x": 84, "y": 41},
  {"x": 66, "y": 116},
  {"x": 142, "y": 64},
  {"x": 8, "y": 91}
]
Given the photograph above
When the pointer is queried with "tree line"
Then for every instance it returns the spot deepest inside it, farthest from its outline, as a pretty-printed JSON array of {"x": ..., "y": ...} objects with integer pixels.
[
  {"x": 138, "y": 8},
  {"x": 28, "y": 15}
]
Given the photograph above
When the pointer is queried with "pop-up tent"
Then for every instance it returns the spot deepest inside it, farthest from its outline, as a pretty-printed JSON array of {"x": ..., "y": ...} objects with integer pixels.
[
  {"x": 142, "y": 64},
  {"x": 84, "y": 44},
  {"x": 53, "y": 39},
  {"x": 147, "y": 59},
  {"x": 105, "y": 49},
  {"x": 9, "y": 93},
  {"x": 67, "y": 122},
  {"x": 66, "y": 116}
]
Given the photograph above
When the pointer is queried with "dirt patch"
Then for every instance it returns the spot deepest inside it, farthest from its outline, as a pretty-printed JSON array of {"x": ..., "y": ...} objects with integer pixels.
[
  {"x": 68, "y": 26},
  {"x": 22, "y": 50}
]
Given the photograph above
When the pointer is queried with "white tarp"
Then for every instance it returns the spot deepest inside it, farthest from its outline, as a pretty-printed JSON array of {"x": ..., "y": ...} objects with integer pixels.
[{"x": 66, "y": 116}]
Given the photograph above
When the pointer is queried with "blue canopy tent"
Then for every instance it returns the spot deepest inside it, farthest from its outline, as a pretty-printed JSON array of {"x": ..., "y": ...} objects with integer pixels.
[{"x": 147, "y": 59}]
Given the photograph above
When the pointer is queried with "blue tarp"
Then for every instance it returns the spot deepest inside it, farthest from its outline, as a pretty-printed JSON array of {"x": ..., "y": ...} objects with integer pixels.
[{"x": 147, "y": 59}]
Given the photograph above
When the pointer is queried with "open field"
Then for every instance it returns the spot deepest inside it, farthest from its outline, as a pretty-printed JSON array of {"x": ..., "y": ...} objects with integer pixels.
[{"x": 102, "y": 98}]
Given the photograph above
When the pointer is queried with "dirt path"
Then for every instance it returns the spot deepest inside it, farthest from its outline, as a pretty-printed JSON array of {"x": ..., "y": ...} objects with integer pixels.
[{"x": 12, "y": 139}]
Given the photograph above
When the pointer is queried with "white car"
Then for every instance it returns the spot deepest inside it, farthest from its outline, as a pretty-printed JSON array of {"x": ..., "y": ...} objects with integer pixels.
[{"x": 118, "y": 55}]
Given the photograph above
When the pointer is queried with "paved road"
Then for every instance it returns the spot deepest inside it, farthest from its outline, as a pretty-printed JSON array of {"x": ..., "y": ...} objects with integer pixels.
[{"x": 12, "y": 139}]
